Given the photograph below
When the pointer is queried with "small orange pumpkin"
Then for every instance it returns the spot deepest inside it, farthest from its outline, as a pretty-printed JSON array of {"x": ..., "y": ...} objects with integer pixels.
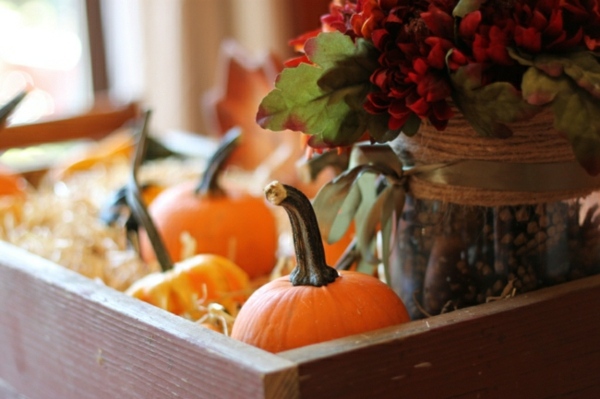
[
  {"x": 238, "y": 226},
  {"x": 13, "y": 192},
  {"x": 193, "y": 282},
  {"x": 316, "y": 303},
  {"x": 187, "y": 287},
  {"x": 13, "y": 186},
  {"x": 12, "y": 183}
]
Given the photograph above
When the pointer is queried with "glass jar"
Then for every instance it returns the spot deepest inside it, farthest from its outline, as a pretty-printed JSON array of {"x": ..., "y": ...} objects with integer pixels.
[{"x": 449, "y": 256}]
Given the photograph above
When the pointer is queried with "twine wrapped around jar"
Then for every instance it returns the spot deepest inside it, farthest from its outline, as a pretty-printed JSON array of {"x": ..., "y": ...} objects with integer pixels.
[{"x": 536, "y": 164}]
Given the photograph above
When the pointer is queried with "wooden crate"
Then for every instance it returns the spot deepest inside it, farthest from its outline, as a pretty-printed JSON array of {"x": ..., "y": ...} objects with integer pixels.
[{"x": 65, "y": 336}]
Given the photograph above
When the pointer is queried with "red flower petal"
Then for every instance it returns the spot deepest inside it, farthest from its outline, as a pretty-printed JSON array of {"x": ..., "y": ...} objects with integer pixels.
[
  {"x": 469, "y": 24},
  {"x": 439, "y": 22},
  {"x": 480, "y": 45},
  {"x": 419, "y": 107},
  {"x": 442, "y": 111},
  {"x": 554, "y": 26},
  {"x": 294, "y": 62},
  {"x": 528, "y": 39}
]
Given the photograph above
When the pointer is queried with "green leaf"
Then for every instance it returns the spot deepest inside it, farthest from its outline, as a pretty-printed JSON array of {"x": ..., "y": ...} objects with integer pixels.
[
  {"x": 367, "y": 184},
  {"x": 576, "y": 112},
  {"x": 390, "y": 213},
  {"x": 463, "y": 7},
  {"x": 377, "y": 126},
  {"x": 579, "y": 117},
  {"x": 329, "y": 49},
  {"x": 580, "y": 66},
  {"x": 488, "y": 108},
  {"x": 540, "y": 89},
  {"x": 381, "y": 156},
  {"x": 332, "y": 196},
  {"x": 366, "y": 232},
  {"x": 572, "y": 96},
  {"x": 584, "y": 69},
  {"x": 345, "y": 215},
  {"x": 412, "y": 125},
  {"x": 353, "y": 195},
  {"x": 324, "y": 99}
]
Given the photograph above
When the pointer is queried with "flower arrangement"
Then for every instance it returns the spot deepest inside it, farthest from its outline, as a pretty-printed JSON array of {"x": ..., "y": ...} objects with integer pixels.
[
  {"x": 378, "y": 68},
  {"x": 399, "y": 80}
]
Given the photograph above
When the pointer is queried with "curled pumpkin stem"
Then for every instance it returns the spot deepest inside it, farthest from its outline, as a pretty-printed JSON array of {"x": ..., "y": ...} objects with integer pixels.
[
  {"x": 10, "y": 106},
  {"x": 311, "y": 268},
  {"x": 209, "y": 183},
  {"x": 136, "y": 203}
]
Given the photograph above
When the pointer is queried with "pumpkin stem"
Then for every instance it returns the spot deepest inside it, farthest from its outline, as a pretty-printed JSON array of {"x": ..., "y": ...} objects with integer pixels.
[
  {"x": 136, "y": 202},
  {"x": 311, "y": 268},
  {"x": 10, "y": 106},
  {"x": 209, "y": 184}
]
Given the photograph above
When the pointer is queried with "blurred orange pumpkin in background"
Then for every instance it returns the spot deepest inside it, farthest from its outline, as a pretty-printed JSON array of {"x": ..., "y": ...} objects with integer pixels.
[
  {"x": 11, "y": 182},
  {"x": 239, "y": 227},
  {"x": 234, "y": 224}
]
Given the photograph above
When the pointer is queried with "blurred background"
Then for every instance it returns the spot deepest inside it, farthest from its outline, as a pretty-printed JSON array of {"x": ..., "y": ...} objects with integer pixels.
[{"x": 164, "y": 54}]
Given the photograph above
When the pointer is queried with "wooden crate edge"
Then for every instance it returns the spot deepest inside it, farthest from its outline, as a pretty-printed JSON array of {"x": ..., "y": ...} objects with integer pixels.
[
  {"x": 540, "y": 344},
  {"x": 98, "y": 337}
]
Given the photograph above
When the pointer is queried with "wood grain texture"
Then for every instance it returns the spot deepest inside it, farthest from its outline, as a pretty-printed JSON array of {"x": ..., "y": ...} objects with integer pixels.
[
  {"x": 7, "y": 392},
  {"x": 545, "y": 344},
  {"x": 65, "y": 336},
  {"x": 95, "y": 124}
]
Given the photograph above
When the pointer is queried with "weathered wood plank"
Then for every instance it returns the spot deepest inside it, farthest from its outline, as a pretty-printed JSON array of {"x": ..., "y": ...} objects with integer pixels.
[
  {"x": 545, "y": 344},
  {"x": 65, "y": 336},
  {"x": 94, "y": 124},
  {"x": 7, "y": 392}
]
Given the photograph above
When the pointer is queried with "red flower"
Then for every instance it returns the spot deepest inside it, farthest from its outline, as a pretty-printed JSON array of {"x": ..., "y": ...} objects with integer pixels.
[
  {"x": 420, "y": 43},
  {"x": 412, "y": 78}
]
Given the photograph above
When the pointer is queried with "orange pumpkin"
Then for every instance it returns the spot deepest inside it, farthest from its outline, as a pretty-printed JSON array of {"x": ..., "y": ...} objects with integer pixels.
[
  {"x": 13, "y": 186},
  {"x": 316, "y": 303},
  {"x": 13, "y": 192},
  {"x": 192, "y": 283},
  {"x": 12, "y": 183},
  {"x": 238, "y": 226},
  {"x": 187, "y": 287}
]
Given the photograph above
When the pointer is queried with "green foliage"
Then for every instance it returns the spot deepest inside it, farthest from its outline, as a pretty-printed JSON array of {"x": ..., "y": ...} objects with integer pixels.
[
  {"x": 570, "y": 85},
  {"x": 488, "y": 108},
  {"x": 371, "y": 193},
  {"x": 463, "y": 7},
  {"x": 325, "y": 99}
]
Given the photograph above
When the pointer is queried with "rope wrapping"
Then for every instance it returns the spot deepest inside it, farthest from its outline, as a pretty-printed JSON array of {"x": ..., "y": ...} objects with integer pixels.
[{"x": 491, "y": 171}]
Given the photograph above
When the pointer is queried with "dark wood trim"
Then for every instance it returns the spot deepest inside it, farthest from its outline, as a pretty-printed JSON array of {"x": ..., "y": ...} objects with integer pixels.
[
  {"x": 305, "y": 15},
  {"x": 97, "y": 48},
  {"x": 96, "y": 123}
]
